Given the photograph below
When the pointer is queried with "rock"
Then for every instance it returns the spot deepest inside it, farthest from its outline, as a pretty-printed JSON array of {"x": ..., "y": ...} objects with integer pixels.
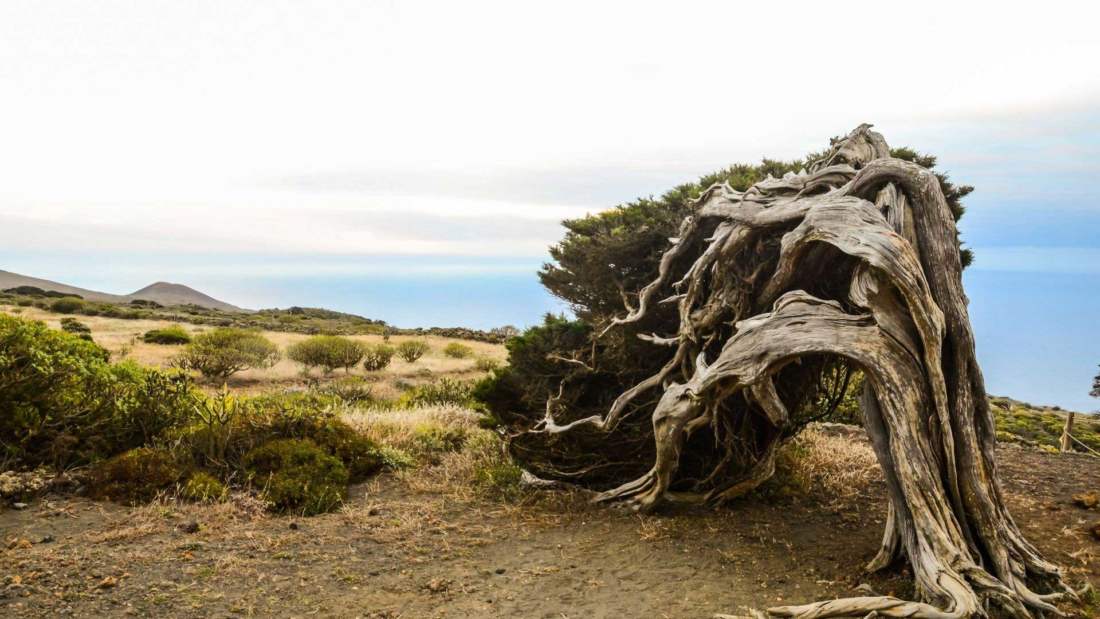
[
  {"x": 47, "y": 539},
  {"x": 438, "y": 585},
  {"x": 189, "y": 527},
  {"x": 1086, "y": 500},
  {"x": 107, "y": 583},
  {"x": 19, "y": 505}
]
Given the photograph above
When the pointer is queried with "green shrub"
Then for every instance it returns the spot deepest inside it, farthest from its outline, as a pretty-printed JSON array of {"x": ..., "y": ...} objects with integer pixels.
[
  {"x": 357, "y": 453},
  {"x": 298, "y": 476},
  {"x": 351, "y": 389},
  {"x": 499, "y": 480},
  {"x": 411, "y": 350},
  {"x": 67, "y": 305},
  {"x": 225, "y": 351},
  {"x": 203, "y": 487},
  {"x": 134, "y": 476},
  {"x": 377, "y": 357},
  {"x": 172, "y": 335},
  {"x": 395, "y": 459},
  {"x": 147, "y": 403},
  {"x": 430, "y": 441},
  {"x": 77, "y": 328},
  {"x": 455, "y": 350},
  {"x": 495, "y": 474},
  {"x": 63, "y": 403},
  {"x": 35, "y": 291},
  {"x": 439, "y": 393},
  {"x": 485, "y": 364},
  {"x": 228, "y": 427},
  {"x": 217, "y": 427},
  {"x": 327, "y": 352}
]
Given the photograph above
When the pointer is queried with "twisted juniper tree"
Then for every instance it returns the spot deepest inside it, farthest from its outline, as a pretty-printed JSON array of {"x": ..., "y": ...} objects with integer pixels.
[{"x": 771, "y": 298}]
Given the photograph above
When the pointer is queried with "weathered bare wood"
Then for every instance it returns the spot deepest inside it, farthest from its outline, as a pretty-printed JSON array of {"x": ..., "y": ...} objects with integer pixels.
[
  {"x": 1067, "y": 434},
  {"x": 875, "y": 241}
]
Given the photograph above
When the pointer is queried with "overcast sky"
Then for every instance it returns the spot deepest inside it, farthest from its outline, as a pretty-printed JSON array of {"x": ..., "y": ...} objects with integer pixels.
[
  {"x": 471, "y": 128},
  {"x": 147, "y": 140}
]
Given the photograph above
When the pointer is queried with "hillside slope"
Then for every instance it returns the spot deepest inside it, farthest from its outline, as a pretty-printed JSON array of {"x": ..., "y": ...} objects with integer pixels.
[
  {"x": 13, "y": 280},
  {"x": 161, "y": 292},
  {"x": 167, "y": 293}
]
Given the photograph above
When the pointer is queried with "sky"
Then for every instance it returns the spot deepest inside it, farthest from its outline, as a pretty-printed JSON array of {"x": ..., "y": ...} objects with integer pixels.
[{"x": 411, "y": 161}]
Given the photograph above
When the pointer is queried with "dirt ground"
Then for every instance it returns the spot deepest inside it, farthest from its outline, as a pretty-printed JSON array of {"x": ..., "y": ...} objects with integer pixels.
[{"x": 397, "y": 550}]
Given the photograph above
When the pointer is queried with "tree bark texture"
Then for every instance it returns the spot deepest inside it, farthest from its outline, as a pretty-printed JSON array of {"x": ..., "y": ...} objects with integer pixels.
[{"x": 855, "y": 260}]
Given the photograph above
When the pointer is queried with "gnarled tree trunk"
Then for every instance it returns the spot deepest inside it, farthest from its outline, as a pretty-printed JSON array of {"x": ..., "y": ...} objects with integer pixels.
[{"x": 853, "y": 261}]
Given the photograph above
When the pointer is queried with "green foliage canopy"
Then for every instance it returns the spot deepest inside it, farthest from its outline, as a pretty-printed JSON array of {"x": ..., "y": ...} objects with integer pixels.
[
  {"x": 598, "y": 268},
  {"x": 223, "y": 352},
  {"x": 63, "y": 403},
  {"x": 327, "y": 352}
]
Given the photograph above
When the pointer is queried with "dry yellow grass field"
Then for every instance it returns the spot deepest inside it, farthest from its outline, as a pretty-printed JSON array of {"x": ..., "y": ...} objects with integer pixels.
[{"x": 123, "y": 339}]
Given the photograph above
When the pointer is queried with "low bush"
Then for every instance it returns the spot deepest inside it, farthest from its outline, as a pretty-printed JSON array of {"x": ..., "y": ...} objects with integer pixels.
[
  {"x": 203, "y": 487},
  {"x": 499, "y": 480},
  {"x": 34, "y": 291},
  {"x": 146, "y": 404},
  {"x": 439, "y": 393},
  {"x": 349, "y": 389},
  {"x": 357, "y": 453},
  {"x": 494, "y": 474},
  {"x": 169, "y": 336},
  {"x": 485, "y": 364},
  {"x": 431, "y": 441},
  {"x": 63, "y": 404},
  {"x": 395, "y": 459},
  {"x": 225, "y": 351},
  {"x": 135, "y": 476},
  {"x": 1019, "y": 422},
  {"x": 455, "y": 350},
  {"x": 67, "y": 305},
  {"x": 377, "y": 357},
  {"x": 77, "y": 328},
  {"x": 412, "y": 350},
  {"x": 297, "y": 476},
  {"x": 327, "y": 352},
  {"x": 228, "y": 427}
]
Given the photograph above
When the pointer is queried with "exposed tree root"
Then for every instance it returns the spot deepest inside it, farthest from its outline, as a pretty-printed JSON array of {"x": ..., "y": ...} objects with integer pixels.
[{"x": 855, "y": 259}]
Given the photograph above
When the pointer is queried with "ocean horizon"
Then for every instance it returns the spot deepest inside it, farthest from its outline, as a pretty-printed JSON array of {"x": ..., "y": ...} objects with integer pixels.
[{"x": 1011, "y": 310}]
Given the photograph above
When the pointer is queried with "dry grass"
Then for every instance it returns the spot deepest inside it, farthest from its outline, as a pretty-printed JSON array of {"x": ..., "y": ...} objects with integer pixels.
[
  {"x": 404, "y": 428},
  {"x": 839, "y": 467},
  {"x": 123, "y": 338},
  {"x": 169, "y": 511},
  {"x": 445, "y": 440}
]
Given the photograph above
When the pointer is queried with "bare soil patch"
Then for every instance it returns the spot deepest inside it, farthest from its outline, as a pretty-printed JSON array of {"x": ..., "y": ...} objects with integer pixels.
[{"x": 403, "y": 549}]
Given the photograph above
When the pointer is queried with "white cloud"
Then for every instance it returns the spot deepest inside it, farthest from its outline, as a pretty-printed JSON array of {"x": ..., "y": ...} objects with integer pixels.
[{"x": 322, "y": 127}]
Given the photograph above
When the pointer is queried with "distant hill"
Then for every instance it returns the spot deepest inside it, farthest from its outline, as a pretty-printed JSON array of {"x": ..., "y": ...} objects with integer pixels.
[
  {"x": 161, "y": 292},
  {"x": 167, "y": 293}
]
